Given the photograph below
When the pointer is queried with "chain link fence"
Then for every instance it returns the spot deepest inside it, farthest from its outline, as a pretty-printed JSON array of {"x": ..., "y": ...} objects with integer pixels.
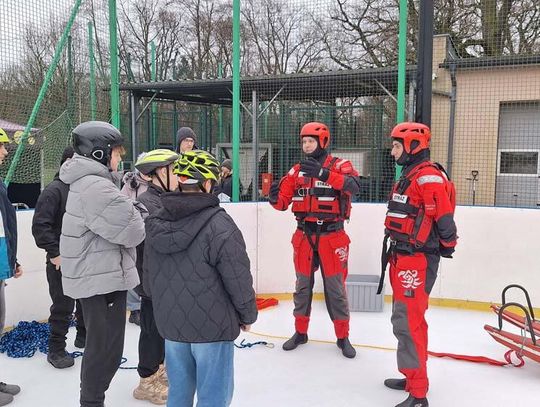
[{"x": 333, "y": 61}]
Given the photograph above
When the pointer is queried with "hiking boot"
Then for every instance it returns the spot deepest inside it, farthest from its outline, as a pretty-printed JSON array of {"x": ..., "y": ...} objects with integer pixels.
[
  {"x": 12, "y": 389},
  {"x": 297, "y": 339},
  {"x": 152, "y": 390},
  {"x": 60, "y": 360},
  {"x": 162, "y": 375},
  {"x": 80, "y": 341},
  {"x": 395, "y": 384},
  {"x": 414, "y": 402},
  {"x": 135, "y": 317},
  {"x": 346, "y": 348},
  {"x": 5, "y": 399}
]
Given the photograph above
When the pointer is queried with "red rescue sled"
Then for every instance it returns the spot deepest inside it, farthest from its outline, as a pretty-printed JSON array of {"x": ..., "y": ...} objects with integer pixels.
[{"x": 521, "y": 345}]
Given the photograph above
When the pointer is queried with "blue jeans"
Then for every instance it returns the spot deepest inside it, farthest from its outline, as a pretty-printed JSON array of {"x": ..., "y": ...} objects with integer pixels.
[
  {"x": 133, "y": 301},
  {"x": 205, "y": 368}
]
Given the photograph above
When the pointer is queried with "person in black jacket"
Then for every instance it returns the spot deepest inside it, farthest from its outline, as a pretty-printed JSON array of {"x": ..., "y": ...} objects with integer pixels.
[
  {"x": 46, "y": 228},
  {"x": 198, "y": 274},
  {"x": 153, "y": 386}
]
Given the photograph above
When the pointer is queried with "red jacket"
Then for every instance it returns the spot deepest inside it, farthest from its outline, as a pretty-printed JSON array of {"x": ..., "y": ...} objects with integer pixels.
[
  {"x": 421, "y": 208},
  {"x": 314, "y": 199}
]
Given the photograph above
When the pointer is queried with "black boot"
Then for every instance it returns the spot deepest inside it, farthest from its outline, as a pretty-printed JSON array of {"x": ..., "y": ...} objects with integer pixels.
[
  {"x": 346, "y": 348},
  {"x": 414, "y": 402},
  {"x": 60, "y": 360},
  {"x": 395, "y": 384},
  {"x": 297, "y": 339},
  {"x": 135, "y": 317},
  {"x": 80, "y": 341}
]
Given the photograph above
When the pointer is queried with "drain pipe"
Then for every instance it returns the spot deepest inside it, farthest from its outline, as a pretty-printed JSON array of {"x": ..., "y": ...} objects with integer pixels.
[{"x": 452, "y": 125}]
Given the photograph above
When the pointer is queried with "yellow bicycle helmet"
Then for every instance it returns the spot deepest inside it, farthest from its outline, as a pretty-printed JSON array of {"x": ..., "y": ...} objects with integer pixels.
[
  {"x": 197, "y": 166},
  {"x": 155, "y": 159},
  {"x": 4, "y": 137}
]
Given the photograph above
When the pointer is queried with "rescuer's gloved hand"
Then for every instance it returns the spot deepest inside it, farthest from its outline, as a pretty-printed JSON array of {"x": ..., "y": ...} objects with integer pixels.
[
  {"x": 446, "y": 251},
  {"x": 274, "y": 192},
  {"x": 312, "y": 168}
]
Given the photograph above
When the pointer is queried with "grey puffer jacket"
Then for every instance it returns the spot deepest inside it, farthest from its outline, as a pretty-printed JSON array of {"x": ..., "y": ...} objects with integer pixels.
[
  {"x": 199, "y": 279},
  {"x": 100, "y": 230}
]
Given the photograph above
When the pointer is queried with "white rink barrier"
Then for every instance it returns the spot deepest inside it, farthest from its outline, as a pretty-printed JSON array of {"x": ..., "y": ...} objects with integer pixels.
[{"x": 497, "y": 247}]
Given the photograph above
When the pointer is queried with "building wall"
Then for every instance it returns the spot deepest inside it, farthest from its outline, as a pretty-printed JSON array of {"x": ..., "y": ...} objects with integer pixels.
[{"x": 479, "y": 95}]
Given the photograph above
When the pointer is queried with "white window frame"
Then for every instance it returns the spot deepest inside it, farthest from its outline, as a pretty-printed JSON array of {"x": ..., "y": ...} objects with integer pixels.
[{"x": 518, "y": 150}]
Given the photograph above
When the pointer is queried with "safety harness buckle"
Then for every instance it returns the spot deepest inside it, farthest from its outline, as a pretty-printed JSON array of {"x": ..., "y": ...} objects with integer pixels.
[{"x": 303, "y": 192}]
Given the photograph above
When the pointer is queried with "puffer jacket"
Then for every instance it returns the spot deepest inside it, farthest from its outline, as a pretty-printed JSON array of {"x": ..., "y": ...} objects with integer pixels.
[
  {"x": 100, "y": 230},
  {"x": 200, "y": 280}
]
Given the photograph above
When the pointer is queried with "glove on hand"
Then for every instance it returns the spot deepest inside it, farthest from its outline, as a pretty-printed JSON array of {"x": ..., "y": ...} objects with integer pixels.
[
  {"x": 274, "y": 192},
  {"x": 446, "y": 251},
  {"x": 312, "y": 168}
]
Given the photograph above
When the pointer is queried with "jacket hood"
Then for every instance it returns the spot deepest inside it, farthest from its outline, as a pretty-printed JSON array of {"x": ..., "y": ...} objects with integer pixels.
[
  {"x": 180, "y": 220},
  {"x": 79, "y": 166}
]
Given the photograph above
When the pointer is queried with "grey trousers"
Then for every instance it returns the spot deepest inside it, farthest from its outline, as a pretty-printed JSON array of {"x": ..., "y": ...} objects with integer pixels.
[{"x": 2, "y": 307}]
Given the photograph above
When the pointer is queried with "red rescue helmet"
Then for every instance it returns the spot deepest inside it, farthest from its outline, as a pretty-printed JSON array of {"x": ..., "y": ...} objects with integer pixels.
[
  {"x": 318, "y": 131},
  {"x": 408, "y": 132}
]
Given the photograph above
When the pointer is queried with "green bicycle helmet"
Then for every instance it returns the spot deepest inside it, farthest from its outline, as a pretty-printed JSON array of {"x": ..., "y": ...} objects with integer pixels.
[
  {"x": 155, "y": 159},
  {"x": 197, "y": 166},
  {"x": 4, "y": 137}
]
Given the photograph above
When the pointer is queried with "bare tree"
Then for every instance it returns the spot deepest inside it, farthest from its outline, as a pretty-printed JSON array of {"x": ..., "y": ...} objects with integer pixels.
[
  {"x": 142, "y": 23},
  {"x": 283, "y": 36},
  {"x": 364, "y": 33},
  {"x": 525, "y": 25}
]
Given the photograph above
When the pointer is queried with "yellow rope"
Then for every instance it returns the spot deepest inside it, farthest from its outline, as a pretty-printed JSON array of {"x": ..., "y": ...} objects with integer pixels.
[{"x": 356, "y": 345}]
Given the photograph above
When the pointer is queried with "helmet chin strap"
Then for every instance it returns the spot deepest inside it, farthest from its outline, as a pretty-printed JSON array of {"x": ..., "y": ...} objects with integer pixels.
[
  {"x": 203, "y": 189},
  {"x": 165, "y": 188}
]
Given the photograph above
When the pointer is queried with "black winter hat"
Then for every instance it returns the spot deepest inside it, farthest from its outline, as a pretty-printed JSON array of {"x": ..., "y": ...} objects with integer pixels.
[
  {"x": 227, "y": 163},
  {"x": 184, "y": 133}
]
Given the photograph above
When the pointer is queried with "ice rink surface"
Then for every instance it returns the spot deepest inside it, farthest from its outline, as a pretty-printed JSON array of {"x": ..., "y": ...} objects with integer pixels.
[{"x": 316, "y": 374}]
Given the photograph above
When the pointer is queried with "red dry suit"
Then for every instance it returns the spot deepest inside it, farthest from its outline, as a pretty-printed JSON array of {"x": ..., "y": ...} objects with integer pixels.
[
  {"x": 320, "y": 240},
  {"x": 420, "y": 226}
]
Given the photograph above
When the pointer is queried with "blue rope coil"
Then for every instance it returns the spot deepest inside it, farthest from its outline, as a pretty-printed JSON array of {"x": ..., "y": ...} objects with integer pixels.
[
  {"x": 245, "y": 344},
  {"x": 25, "y": 339}
]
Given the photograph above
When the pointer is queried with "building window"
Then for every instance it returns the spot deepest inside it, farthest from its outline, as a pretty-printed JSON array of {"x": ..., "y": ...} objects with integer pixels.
[{"x": 518, "y": 162}]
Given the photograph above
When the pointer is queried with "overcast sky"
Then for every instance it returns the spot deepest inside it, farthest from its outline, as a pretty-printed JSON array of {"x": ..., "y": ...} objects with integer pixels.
[{"x": 16, "y": 14}]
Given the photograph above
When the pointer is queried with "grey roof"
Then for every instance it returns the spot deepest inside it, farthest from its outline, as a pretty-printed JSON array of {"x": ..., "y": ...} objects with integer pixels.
[
  {"x": 319, "y": 86},
  {"x": 491, "y": 62}
]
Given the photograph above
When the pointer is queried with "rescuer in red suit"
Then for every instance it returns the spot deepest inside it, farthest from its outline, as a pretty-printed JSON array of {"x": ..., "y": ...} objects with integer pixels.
[
  {"x": 419, "y": 228},
  {"x": 320, "y": 188}
]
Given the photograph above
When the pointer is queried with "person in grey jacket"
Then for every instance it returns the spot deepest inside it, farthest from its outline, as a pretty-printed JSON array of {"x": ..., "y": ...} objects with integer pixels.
[
  {"x": 100, "y": 231},
  {"x": 198, "y": 275}
]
